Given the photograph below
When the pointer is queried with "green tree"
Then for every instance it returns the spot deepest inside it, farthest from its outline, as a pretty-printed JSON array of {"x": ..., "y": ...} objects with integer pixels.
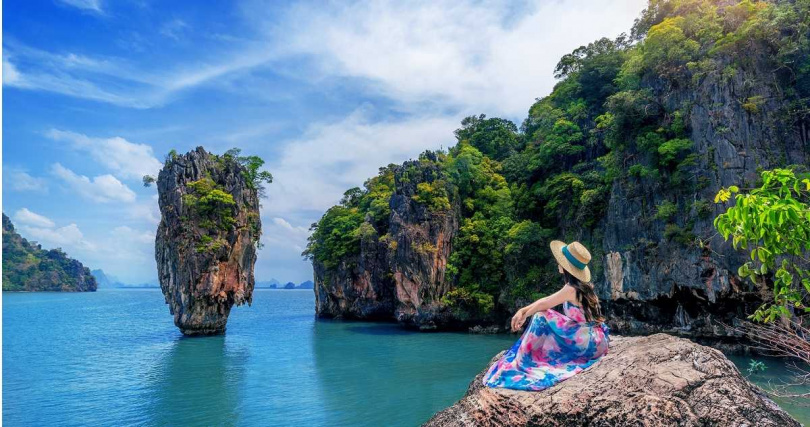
[{"x": 495, "y": 138}]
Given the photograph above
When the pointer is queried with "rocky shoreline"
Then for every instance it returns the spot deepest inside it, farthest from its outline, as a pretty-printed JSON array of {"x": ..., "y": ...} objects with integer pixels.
[{"x": 653, "y": 380}]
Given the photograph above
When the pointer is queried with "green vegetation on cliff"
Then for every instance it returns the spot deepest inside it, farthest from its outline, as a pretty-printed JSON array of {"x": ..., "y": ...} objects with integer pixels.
[
  {"x": 209, "y": 206},
  {"x": 28, "y": 267},
  {"x": 621, "y": 113}
]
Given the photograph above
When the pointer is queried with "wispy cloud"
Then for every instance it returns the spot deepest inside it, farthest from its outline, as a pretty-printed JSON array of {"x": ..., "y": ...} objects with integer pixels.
[
  {"x": 175, "y": 29},
  {"x": 85, "y": 5},
  {"x": 26, "y": 217},
  {"x": 63, "y": 83},
  {"x": 126, "y": 159},
  {"x": 102, "y": 188},
  {"x": 17, "y": 179},
  {"x": 117, "y": 81}
]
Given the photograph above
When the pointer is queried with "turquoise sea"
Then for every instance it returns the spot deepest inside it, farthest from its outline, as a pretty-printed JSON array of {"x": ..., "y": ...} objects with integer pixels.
[{"x": 114, "y": 357}]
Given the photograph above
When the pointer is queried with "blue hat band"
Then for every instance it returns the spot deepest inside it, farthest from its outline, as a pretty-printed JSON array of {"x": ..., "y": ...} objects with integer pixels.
[{"x": 575, "y": 262}]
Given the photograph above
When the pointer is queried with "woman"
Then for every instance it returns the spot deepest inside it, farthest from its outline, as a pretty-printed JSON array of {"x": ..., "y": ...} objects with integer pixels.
[{"x": 556, "y": 345}]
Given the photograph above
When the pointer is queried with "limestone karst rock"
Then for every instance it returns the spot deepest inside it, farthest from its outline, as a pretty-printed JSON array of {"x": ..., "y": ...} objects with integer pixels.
[
  {"x": 654, "y": 380},
  {"x": 400, "y": 275},
  {"x": 205, "y": 246}
]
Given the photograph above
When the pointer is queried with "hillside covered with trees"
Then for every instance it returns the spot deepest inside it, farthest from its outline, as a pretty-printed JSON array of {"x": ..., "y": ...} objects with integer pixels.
[
  {"x": 28, "y": 267},
  {"x": 625, "y": 155}
]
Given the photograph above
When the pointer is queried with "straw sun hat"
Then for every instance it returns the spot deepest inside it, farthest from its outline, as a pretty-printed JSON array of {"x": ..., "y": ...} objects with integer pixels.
[{"x": 572, "y": 257}]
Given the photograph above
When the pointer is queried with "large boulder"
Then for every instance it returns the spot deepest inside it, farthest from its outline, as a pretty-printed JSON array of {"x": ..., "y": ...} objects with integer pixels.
[
  {"x": 654, "y": 380},
  {"x": 205, "y": 245}
]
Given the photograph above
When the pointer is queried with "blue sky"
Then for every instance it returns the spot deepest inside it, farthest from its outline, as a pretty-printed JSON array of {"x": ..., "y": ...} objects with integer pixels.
[{"x": 96, "y": 92}]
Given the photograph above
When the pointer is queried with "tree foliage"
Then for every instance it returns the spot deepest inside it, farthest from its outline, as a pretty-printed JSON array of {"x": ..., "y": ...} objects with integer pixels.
[{"x": 772, "y": 223}]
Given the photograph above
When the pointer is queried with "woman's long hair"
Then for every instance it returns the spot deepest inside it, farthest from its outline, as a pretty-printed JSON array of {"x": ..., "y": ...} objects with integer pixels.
[{"x": 586, "y": 296}]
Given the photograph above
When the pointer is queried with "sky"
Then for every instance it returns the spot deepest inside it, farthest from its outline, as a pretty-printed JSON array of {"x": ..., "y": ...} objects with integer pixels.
[{"x": 96, "y": 92}]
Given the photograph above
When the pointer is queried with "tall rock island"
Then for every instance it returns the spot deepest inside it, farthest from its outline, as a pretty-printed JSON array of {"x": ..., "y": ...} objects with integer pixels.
[{"x": 207, "y": 239}]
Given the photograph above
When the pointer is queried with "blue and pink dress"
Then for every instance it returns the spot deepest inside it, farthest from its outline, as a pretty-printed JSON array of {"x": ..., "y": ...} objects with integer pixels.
[{"x": 554, "y": 347}]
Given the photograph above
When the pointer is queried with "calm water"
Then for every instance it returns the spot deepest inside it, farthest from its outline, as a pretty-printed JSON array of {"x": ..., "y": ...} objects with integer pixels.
[
  {"x": 776, "y": 373},
  {"x": 114, "y": 358}
]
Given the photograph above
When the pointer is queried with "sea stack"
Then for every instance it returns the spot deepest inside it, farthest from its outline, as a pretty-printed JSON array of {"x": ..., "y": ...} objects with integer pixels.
[{"x": 206, "y": 242}]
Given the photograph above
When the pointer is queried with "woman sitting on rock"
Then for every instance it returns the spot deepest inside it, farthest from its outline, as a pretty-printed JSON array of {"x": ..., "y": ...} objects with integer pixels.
[{"x": 556, "y": 345}]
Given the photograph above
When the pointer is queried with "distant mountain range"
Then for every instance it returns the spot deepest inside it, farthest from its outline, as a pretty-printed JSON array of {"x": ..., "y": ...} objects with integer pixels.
[{"x": 106, "y": 281}]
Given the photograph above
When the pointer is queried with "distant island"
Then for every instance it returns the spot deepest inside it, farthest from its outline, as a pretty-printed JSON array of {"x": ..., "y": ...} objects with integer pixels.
[
  {"x": 275, "y": 284},
  {"x": 29, "y": 268},
  {"x": 108, "y": 281}
]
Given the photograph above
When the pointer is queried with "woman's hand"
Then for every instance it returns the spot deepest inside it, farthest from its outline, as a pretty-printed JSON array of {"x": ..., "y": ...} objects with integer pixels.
[{"x": 518, "y": 319}]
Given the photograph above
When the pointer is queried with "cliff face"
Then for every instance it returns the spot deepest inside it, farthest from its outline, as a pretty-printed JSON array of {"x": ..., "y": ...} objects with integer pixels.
[
  {"x": 28, "y": 267},
  {"x": 654, "y": 282},
  {"x": 655, "y": 380},
  {"x": 423, "y": 243},
  {"x": 398, "y": 274},
  {"x": 205, "y": 246}
]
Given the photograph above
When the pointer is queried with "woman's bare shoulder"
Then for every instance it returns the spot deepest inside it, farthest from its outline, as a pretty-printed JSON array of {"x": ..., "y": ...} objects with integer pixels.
[{"x": 570, "y": 293}]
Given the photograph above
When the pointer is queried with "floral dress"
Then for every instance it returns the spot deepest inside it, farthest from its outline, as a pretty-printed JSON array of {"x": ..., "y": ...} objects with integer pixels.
[{"x": 553, "y": 348}]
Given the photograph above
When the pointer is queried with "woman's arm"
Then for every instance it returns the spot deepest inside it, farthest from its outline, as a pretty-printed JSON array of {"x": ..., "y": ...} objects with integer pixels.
[{"x": 567, "y": 293}]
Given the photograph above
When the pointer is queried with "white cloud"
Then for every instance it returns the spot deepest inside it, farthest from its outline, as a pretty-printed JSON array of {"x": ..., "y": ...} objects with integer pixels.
[
  {"x": 126, "y": 159},
  {"x": 471, "y": 55},
  {"x": 281, "y": 222},
  {"x": 103, "y": 188},
  {"x": 20, "y": 180},
  {"x": 25, "y": 216},
  {"x": 125, "y": 234},
  {"x": 66, "y": 237},
  {"x": 11, "y": 76},
  {"x": 147, "y": 211},
  {"x": 313, "y": 172},
  {"x": 87, "y": 5}
]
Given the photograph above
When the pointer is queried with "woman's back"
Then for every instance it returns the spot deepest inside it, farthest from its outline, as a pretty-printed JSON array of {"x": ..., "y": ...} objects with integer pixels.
[{"x": 555, "y": 346}]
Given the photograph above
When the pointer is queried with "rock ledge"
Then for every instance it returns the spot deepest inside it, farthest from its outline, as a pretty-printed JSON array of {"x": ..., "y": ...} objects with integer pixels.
[{"x": 653, "y": 380}]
